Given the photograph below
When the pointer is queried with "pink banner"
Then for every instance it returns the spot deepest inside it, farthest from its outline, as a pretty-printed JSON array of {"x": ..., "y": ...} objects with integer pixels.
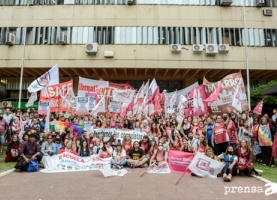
[
  {"x": 188, "y": 111},
  {"x": 179, "y": 161}
]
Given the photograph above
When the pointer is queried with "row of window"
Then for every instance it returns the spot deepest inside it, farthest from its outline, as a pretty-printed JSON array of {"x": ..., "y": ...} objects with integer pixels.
[
  {"x": 268, "y": 3},
  {"x": 141, "y": 35}
]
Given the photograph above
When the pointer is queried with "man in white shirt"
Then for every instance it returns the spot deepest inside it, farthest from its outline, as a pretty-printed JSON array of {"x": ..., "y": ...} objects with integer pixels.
[
  {"x": 8, "y": 117},
  {"x": 192, "y": 142}
]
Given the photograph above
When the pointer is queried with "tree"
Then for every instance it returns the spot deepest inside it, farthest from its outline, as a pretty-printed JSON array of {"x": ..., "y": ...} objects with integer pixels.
[{"x": 256, "y": 96}]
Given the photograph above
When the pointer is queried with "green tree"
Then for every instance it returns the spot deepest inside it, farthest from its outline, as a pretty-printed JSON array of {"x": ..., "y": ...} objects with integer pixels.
[{"x": 270, "y": 101}]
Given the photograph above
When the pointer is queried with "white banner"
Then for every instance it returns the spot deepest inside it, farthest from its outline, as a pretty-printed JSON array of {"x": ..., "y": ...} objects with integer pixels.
[
  {"x": 114, "y": 105},
  {"x": 68, "y": 162},
  {"x": 124, "y": 96},
  {"x": 43, "y": 107},
  {"x": 107, "y": 173},
  {"x": 163, "y": 169},
  {"x": 82, "y": 105},
  {"x": 204, "y": 166},
  {"x": 108, "y": 132},
  {"x": 89, "y": 85},
  {"x": 178, "y": 94}
]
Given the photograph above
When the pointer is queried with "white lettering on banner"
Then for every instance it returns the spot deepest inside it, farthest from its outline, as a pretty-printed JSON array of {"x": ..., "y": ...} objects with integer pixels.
[
  {"x": 68, "y": 162},
  {"x": 108, "y": 132},
  {"x": 90, "y": 85}
]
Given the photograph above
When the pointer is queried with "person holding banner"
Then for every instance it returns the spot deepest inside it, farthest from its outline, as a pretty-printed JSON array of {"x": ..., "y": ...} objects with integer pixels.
[
  {"x": 230, "y": 160},
  {"x": 84, "y": 150},
  {"x": 105, "y": 151},
  {"x": 137, "y": 156},
  {"x": 210, "y": 153},
  {"x": 119, "y": 157},
  {"x": 185, "y": 128},
  {"x": 159, "y": 157},
  {"x": 68, "y": 148}
]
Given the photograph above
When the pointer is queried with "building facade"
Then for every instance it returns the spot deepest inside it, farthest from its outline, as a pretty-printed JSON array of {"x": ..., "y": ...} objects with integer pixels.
[{"x": 134, "y": 42}]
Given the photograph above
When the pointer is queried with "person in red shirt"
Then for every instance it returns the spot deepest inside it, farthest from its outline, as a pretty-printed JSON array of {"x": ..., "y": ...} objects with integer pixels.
[
  {"x": 145, "y": 145},
  {"x": 159, "y": 157},
  {"x": 68, "y": 148},
  {"x": 127, "y": 143},
  {"x": 104, "y": 153}
]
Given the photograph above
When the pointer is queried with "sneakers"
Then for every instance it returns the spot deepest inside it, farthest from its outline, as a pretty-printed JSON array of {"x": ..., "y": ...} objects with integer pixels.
[
  {"x": 114, "y": 167},
  {"x": 273, "y": 166},
  {"x": 119, "y": 167},
  {"x": 225, "y": 177},
  {"x": 229, "y": 177}
]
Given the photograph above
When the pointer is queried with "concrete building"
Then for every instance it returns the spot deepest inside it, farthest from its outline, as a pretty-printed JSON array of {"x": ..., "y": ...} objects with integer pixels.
[{"x": 136, "y": 40}]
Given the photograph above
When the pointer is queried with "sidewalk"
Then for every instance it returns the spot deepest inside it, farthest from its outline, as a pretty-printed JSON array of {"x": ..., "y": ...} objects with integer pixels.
[{"x": 92, "y": 185}]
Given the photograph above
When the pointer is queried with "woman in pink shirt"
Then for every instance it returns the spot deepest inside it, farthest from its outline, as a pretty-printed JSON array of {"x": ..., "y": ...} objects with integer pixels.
[
  {"x": 127, "y": 143},
  {"x": 104, "y": 153},
  {"x": 156, "y": 132}
]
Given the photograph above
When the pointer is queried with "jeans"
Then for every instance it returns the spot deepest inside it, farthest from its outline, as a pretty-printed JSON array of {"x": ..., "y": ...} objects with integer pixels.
[
  {"x": 2, "y": 139},
  {"x": 123, "y": 162}
]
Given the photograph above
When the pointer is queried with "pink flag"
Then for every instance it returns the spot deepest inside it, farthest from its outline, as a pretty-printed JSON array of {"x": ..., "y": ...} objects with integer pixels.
[
  {"x": 179, "y": 161},
  {"x": 162, "y": 98},
  {"x": 259, "y": 107},
  {"x": 155, "y": 99},
  {"x": 214, "y": 95},
  {"x": 123, "y": 112}
]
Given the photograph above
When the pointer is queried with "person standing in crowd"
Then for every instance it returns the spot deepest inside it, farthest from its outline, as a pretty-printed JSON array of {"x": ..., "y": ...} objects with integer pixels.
[
  {"x": 155, "y": 131},
  {"x": 209, "y": 133},
  {"x": 84, "y": 150},
  {"x": 49, "y": 147},
  {"x": 91, "y": 142},
  {"x": 185, "y": 147},
  {"x": 232, "y": 131},
  {"x": 117, "y": 124},
  {"x": 8, "y": 117},
  {"x": 159, "y": 157},
  {"x": 137, "y": 156},
  {"x": 16, "y": 128},
  {"x": 119, "y": 157},
  {"x": 144, "y": 127},
  {"x": 192, "y": 142},
  {"x": 29, "y": 151},
  {"x": 35, "y": 128},
  {"x": 220, "y": 139},
  {"x": 81, "y": 139},
  {"x": 274, "y": 116},
  {"x": 4, "y": 127},
  {"x": 230, "y": 160},
  {"x": 266, "y": 132},
  {"x": 68, "y": 148},
  {"x": 13, "y": 149},
  {"x": 244, "y": 154},
  {"x": 245, "y": 133}
]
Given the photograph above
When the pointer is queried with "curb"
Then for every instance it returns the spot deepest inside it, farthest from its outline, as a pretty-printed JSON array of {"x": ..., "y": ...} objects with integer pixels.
[
  {"x": 262, "y": 179},
  {"x": 7, "y": 172}
]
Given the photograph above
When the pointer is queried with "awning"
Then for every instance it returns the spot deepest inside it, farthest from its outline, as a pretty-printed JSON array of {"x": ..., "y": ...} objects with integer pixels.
[{"x": 270, "y": 91}]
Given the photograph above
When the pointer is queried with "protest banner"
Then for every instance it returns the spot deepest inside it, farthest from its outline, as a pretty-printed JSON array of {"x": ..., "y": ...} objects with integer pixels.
[
  {"x": 204, "y": 166},
  {"x": 114, "y": 105},
  {"x": 43, "y": 107},
  {"x": 82, "y": 106},
  {"x": 168, "y": 96},
  {"x": 93, "y": 99},
  {"x": 108, "y": 132},
  {"x": 110, "y": 172},
  {"x": 163, "y": 169},
  {"x": 68, "y": 162},
  {"x": 123, "y": 96},
  {"x": 226, "y": 94},
  {"x": 88, "y": 126},
  {"x": 89, "y": 85},
  {"x": 179, "y": 161},
  {"x": 59, "y": 96}
]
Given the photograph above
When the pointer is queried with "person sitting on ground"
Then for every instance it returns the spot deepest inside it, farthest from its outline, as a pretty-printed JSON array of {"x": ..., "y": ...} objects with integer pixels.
[
  {"x": 13, "y": 149},
  {"x": 68, "y": 148},
  {"x": 48, "y": 147},
  {"x": 127, "y": 143},
  {"x": 185, "y": 146},
  {"x": 202, "y": 145},
  {"x": 137, "y": 156},
  {"x": 145, "y": 145},
  {"x": 96, "y": 147},
  {"x": 113, "y": 141},
  {"x": 29, "y": 151},
  {"x": 159, "y": 157},
  {"x": 209, "y": 152},
  {"x": 230, "y": 160},
  {"x": 244, "y": 153},
  {"x": 119, "y": 157},
  {"x": 84, "y": 150},
  {"x": 104, "y": 153},
  {"x": 165, "y": 142}
]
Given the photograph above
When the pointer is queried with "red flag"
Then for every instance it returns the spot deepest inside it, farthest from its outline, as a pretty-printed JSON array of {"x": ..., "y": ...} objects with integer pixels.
[
  {"x": 155, "y": 99},
  {"x": 214, "y": 94},
  {"x": 162, "y": 98},
  {"x": 259, "y": 107}
]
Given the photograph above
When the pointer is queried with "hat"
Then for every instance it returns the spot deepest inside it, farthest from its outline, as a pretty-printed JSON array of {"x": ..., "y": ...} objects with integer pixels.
[
  {"x": 32, "y": 135},
  {"x": 119, "y": 144},
  {"x": 117, "y": 121}
]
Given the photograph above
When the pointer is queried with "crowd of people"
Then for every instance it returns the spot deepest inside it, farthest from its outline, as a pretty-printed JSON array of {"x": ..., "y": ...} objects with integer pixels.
[{"x": 232, "y": 138}]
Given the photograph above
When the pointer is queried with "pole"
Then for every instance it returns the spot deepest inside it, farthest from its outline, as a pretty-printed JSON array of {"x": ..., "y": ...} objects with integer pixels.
[
  {"x": 246, "y": 56},
  {"x": 23, "y": 57}
]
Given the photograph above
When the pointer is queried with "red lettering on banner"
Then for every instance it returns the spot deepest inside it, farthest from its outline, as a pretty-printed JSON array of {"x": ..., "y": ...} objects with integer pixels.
[{"x": 72, "y": 157}]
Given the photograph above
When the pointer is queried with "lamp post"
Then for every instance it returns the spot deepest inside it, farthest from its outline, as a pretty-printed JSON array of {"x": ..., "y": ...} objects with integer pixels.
[
  {"x": 246, "y": 56},
  {"x": 29, "y": 2}
]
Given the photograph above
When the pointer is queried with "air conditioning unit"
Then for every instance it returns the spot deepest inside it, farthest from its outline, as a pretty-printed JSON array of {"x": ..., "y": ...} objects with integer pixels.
[
  {"x": 7, "y": 104},
  {"x": 176, "y": 48},
  {"x": 10, "y": 38},
  {"x": 260, "y": 3},
  {"x": 130, "y": 2},
  {"x": 197, "y": 48},
  {"x": 211, "y": 49},
  {"x": 226, "y": 2},
  {"x": 30, "y": 2},
  {"x": 223, "y": 48},
  {"x": 63, "y": 38},
  {"x": 108, "y": 54},
  {"x": 91, "y": 48},
  {"x": 267, "y": 12}
]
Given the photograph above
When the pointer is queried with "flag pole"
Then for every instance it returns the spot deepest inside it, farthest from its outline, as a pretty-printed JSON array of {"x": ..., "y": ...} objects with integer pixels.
[{"x": 246, "y": 57}]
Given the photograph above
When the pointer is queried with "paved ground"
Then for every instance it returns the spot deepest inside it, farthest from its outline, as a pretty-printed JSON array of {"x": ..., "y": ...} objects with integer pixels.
[{"x": 92, "y": 185}]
